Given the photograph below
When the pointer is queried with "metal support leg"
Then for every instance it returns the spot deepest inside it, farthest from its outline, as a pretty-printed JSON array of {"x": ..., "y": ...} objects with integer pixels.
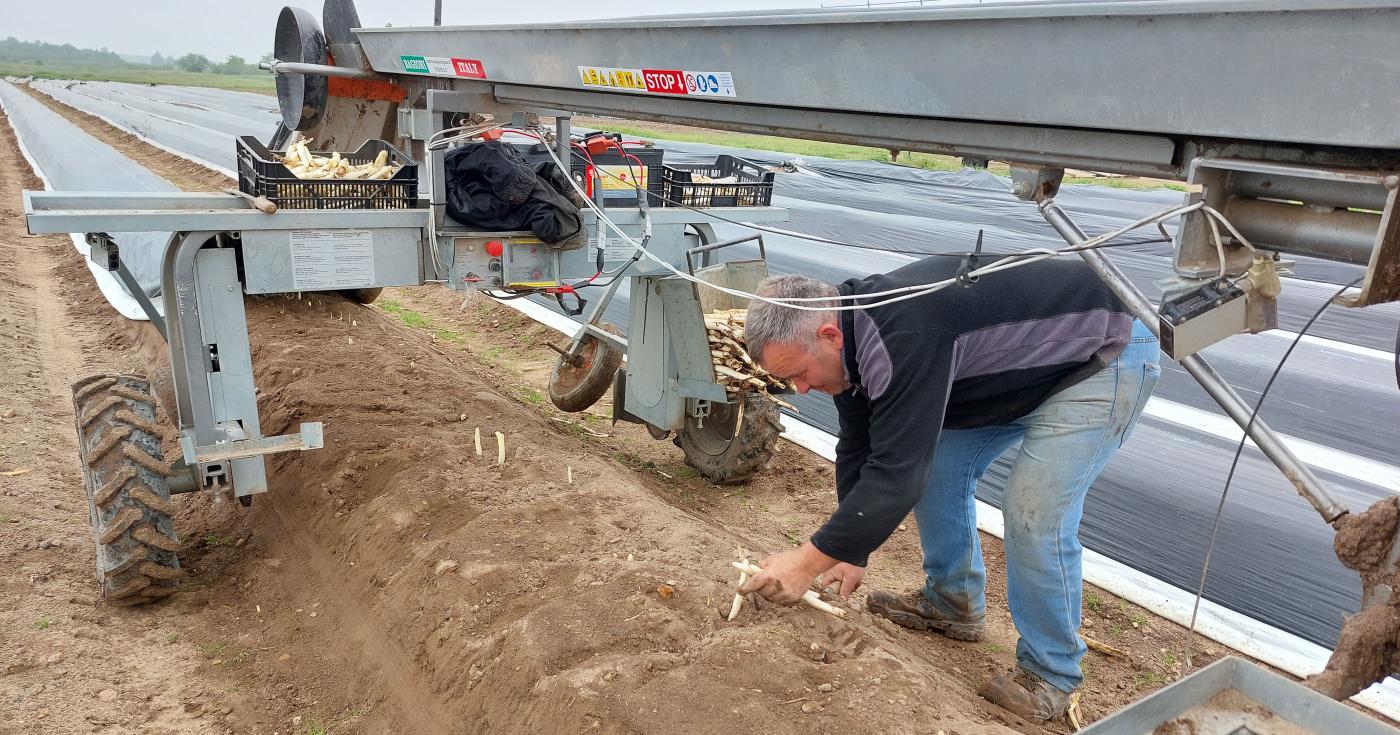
[
  {"x": 228, "y": 359},
  {"x": 211, "y": 367},
  {"x": 1297, "y": 473},
  {"x": 134, "y": 288},
  {"x": 563, "y": 132},
  {"x": 183, "y": 336}
]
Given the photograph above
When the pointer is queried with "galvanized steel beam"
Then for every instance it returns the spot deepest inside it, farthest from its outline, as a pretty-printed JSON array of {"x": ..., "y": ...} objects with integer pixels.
[{"x": 1131, "y": 87}]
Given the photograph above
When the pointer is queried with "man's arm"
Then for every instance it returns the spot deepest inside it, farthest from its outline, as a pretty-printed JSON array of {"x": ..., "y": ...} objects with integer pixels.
[
  {"x": 901, "y": 431},
  {"x": 852, "y": 440},
  {"x": 903, "y": 426}
]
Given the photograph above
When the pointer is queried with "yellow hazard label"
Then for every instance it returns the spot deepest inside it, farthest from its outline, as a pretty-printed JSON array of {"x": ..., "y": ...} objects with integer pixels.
[{"x": 600, "y": 76}]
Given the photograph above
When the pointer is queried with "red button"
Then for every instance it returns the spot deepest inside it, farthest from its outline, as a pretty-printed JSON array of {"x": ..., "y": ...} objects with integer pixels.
[{"x": 495, "y": 248}]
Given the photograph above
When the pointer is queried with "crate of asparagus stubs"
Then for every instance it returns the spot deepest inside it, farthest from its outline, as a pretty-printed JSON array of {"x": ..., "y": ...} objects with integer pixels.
[
  {"x": 376, "y": 176},
  {"x": 734, "y": 369}
]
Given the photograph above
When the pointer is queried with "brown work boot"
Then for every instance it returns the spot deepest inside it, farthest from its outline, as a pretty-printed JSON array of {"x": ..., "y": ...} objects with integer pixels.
[
  {"x": 915, "y": 611},
  {"x": 1027, "y": 695}
]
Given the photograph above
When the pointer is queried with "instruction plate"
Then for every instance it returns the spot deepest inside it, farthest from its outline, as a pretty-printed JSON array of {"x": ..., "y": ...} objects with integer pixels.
[
  {"x": 323, "y": 259},
  {"x": 614, "y": 249}
]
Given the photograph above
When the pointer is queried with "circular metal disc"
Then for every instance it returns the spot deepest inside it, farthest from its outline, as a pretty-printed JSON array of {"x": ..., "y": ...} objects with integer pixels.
[{"x": 302, "y": 97}]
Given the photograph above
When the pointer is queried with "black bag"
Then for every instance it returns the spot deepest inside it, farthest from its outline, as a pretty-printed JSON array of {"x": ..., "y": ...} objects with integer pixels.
[{"x": 490, "y": 186}]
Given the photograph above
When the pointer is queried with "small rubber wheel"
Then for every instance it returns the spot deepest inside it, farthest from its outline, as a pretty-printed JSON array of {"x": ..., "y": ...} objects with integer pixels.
[
  {"x": 128, "y": 495},
  {"x": 363, "y": 295},
  {"x": 734, "y": 442},
  {"x": 576, "y": 385}
]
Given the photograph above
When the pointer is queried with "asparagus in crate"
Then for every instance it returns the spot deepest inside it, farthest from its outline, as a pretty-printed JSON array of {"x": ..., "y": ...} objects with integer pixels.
[
  {"x": 734, "y": 369},
  {"x": 303, "y": 165}
]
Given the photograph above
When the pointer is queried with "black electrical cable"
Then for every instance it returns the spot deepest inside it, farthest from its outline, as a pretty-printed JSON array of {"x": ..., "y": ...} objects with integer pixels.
[
  {"x": 1234, "y": 463},
  {"x": 643, "y": 198},
  {"x": 829, "y": 241}
]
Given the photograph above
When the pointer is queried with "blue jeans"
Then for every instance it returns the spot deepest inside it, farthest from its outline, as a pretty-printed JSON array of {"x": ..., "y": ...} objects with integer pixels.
[{"x": 1065, "y": 443}]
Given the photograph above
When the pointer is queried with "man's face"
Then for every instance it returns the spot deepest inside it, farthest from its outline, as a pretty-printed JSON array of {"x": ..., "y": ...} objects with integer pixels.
[{"x": 811, "y": 364}]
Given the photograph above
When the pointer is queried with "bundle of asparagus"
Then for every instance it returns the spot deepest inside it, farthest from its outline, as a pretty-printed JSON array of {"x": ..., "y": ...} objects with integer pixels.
[
  {"x": 734, "y": 369},
  {"x": 303, "y": 165}
]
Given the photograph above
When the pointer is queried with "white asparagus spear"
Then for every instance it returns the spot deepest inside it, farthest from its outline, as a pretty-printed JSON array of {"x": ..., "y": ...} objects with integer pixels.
[
  {"x": 738, "y": 596},
  {"x": 500, "y": 449},
  {"x": 478, "y": 441},
  {"x": 809, "y": 597},
  {"x": 726, "y": 372}
]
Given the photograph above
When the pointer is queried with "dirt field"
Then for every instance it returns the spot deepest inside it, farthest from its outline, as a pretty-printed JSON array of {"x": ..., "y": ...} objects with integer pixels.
[{"x": 394, "y": 582}]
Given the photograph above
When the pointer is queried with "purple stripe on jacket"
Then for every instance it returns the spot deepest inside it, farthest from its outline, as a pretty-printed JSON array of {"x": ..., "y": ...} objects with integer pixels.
[
  {"x": 1057, "y": 340},
  {"x": 872, "y": 357}
]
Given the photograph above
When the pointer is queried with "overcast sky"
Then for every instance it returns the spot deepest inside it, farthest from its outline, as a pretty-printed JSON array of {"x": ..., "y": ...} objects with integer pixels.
[{"x": 217, "y": 28}]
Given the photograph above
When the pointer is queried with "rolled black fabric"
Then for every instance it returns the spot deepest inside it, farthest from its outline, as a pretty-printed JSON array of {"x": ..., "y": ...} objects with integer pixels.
[{"x": 491, "y": 187}]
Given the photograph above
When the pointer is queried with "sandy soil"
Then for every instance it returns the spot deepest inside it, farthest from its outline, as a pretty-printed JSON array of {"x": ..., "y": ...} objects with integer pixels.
[{"x": 396, "y": 582}]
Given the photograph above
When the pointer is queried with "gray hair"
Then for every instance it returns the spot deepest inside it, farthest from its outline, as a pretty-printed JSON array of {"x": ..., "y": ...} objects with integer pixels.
[{"x": 772, "y": 324}]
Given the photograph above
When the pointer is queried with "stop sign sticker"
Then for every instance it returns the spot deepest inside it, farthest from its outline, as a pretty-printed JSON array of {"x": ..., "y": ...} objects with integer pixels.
[{"x": 664, "y": 81}]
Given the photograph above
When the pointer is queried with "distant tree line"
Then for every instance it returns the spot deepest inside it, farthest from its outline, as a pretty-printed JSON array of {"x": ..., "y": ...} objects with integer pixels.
[
  {"x": 37, "y": 52},
  {"x": 201, "y": 64},
  {"x": 13, "y": 49}
]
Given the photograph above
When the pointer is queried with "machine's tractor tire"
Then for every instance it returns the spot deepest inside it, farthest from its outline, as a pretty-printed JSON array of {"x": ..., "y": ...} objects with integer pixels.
[
  {"x": 734, "y": 442},
  {"x": 128, "y": 497},
  {"x": 364, "y": 295},
  {"x": 578, "y": 385}
]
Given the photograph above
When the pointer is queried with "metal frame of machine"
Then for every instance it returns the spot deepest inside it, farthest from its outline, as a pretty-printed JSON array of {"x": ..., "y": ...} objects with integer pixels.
[{"x": 205, "y": 327}]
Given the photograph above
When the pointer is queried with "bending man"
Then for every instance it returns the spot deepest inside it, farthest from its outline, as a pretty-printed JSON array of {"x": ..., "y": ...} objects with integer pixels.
[{"x": 930, "y": 391}]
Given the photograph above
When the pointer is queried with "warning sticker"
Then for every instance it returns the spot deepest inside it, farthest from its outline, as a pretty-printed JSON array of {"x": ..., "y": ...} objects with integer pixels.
[
  {"x": 324, "y": 259},
  {"x": 620, "y": 176},
  {"x": 660, "y": 81},
  {"x": 443, "y": 66},
  {"x": 711, "y": 83},
  {"x": 629, "y": 79}
]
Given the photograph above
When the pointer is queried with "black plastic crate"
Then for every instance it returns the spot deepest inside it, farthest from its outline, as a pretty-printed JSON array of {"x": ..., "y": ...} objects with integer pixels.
[
  {"x": 261, "y": 173},
  {"x": 750, "y": 186}
]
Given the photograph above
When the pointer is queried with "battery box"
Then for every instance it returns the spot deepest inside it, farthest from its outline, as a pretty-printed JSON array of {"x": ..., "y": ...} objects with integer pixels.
[{"x": 618, "y": 177}]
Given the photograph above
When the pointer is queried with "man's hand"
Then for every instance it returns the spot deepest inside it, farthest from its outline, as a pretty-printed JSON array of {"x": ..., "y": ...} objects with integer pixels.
[
  {"x": 787, "y": 575},
  {"x": 846, "y": 577}
]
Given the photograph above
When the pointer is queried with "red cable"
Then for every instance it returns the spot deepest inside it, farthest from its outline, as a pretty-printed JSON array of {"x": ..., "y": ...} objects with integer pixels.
[{"x": 626, "y": 155}]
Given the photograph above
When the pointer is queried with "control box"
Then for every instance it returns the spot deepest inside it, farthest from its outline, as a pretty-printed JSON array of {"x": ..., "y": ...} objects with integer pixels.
[
  {"x": 1199, "y": 318},
  {"x": 503, "y": 260}
]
